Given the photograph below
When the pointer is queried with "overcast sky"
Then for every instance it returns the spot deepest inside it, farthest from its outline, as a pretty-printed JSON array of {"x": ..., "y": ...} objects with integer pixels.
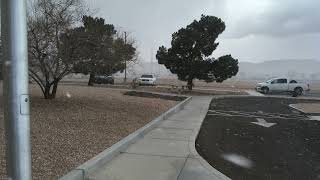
[{"x": 257, "y": 30}]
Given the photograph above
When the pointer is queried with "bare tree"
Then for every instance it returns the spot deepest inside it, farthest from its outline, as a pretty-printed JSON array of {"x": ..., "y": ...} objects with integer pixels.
[
  {"x": 132, "y": 60},
  {"x": 52, "y": 50}
]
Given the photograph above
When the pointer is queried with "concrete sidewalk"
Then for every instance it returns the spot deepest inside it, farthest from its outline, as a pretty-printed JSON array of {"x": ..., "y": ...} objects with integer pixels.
[
  {"x": 307, "y": 108},
  {"x": 310, "y": 109},
  {"x": 166, "y": 152},
  {"x": 254, "y": 93}
]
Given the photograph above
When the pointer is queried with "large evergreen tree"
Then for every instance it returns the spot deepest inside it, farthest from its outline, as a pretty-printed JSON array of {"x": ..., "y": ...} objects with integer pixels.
[
  {"x": 103, "y": 52},
  {"x": 189, "y": 56}
]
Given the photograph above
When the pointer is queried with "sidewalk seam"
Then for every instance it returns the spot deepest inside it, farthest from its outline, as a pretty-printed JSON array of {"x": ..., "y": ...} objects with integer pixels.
[
  {"x": 154, "y": 155},
  {"x": 184, "y": 165},
  {"x": 169, "y": 139},
  {"x": 173, "y": 128}
]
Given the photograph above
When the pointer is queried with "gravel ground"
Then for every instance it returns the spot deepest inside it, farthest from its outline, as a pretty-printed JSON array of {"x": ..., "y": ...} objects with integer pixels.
[{"x": 80, "y": 123}]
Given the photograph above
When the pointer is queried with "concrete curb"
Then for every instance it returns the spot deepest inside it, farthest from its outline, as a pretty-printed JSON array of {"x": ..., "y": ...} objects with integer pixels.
[
  {"x": 194, "y": 153},
  {"x": 81, "y": 172},
  {"x": 297, "y": 109},
  {"x": 302, "y": 112}
]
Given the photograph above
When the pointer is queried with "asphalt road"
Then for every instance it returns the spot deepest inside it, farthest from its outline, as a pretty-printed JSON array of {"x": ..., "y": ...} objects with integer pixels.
[{"x": 260, "y": 138}]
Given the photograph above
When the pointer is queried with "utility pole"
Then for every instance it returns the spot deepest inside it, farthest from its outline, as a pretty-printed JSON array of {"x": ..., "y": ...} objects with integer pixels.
[
  {"x": 151, "y": 60},
  {"x": 15, "y": 88},
  {"x": 125, "y": 59}
]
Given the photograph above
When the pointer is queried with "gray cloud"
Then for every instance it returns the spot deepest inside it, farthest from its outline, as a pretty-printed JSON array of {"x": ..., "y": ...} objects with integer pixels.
[
  {"x": 256, "y": 29},
  {"x": 151, "y": 22},
  {"x": 282, "y": 18}
]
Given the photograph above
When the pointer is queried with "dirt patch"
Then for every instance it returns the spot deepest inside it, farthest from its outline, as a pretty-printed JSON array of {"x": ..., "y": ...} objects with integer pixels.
[
  {"x": 235, "y": 146},
  {"x": 80, "y": 123},
  {"x": 155, "y": 95},
  {"x": 178, "y": 90}
]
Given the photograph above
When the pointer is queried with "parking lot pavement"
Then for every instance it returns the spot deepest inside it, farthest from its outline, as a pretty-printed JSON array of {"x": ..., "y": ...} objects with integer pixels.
[{"x": 250, "y": 138}]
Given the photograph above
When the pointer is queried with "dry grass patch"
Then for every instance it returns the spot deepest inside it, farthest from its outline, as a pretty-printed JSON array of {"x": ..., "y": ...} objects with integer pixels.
[{"x": 80, "y": 123}]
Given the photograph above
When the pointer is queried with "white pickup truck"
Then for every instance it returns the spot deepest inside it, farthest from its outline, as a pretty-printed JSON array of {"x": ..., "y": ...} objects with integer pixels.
[{"x": 282, "y": 85}]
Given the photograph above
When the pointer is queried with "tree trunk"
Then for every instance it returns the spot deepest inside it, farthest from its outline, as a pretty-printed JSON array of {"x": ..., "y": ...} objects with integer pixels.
[
  {"x": 54, "y": 90},
  {"x": 48, "y": 94},
  {"x": 190, "y": 84},
  {"x": 91, "y": 79}
]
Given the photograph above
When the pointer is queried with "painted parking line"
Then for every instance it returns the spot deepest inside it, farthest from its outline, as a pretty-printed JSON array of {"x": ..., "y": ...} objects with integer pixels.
[
  {"x": 254, "y": 115},
  {"x": 314, "y": 118}
]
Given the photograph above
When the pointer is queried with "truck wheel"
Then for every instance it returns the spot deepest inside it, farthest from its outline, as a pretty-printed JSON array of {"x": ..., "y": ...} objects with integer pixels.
[
  {"x": 298, "y": 91},
  {"x": 265, "y": 90}
]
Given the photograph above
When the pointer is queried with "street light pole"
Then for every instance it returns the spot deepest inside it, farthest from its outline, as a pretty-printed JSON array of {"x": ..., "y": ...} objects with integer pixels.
[
  {"x": 15, "y": 88},
  {"x": 125, "y": 58}
]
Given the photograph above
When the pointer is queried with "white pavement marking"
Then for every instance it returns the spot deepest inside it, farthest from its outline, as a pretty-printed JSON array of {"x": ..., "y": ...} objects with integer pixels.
[
  {"x": 253, "y": 93},
  {"x": 258, "y": 114},
  {"x": 263, "y": 122},
  {"x": 315, "y": 118},
  {"x": 238, "y": 160}
]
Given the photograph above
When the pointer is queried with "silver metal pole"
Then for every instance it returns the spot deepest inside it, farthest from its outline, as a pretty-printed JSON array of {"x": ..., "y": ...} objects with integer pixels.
[
  {"x": 16, "y": 98},
  {"x": 125, "y": 60}
]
